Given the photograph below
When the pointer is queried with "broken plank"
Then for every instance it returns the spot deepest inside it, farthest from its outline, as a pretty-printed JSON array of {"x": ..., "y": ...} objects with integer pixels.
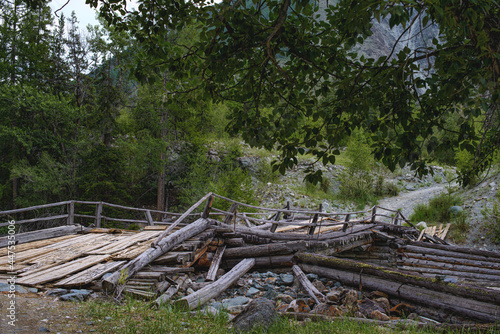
[
  {"x": 91, "y": 274},
  {"x": 307, "y": 285},
  {"x": 212, "y": 271},
  {"x": 53, "y": 232}
]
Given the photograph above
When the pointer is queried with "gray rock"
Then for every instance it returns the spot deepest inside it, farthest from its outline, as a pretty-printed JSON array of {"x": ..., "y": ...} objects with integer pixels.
[
  {"x": 83, "y": 292},
  {"x": 240, "y": 300},
  {"x": 257, "y": 285},
  {"x": 260, "y": 312},
  {"x": 74, "y": 297},
  {"x": 43, "y": 330},
  {"x": 33, "y": 290},
  {"x": 106, "y": 276},
  {"x": 287, "y": 279},
  {"x": 287, "y": 299},
  {"x": 56, "y": 292},
  {"x": 456, "y": 209},
  {"x": 312, "y": 277},
  {"x": 252, "y": 291}
]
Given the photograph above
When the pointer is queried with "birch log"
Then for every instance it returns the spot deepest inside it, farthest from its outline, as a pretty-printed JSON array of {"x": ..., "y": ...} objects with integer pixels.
[
  {"x": 153, "y": 253},
  {"x": 203, "y": 295}
]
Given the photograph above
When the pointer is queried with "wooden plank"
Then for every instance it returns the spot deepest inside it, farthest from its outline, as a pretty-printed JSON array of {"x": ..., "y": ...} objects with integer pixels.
[
  {"x": 445, "y": 232},
  {"x": 311, "y": 290},
  {"x": 212, "y": 271},
  {"x": 22, "y": 238},
  {"x": 91, "y": 274},
  {"x": 125, "y": 242},
  {"x": 37, "y": 244},
  {"x": 62, "y": 270}
]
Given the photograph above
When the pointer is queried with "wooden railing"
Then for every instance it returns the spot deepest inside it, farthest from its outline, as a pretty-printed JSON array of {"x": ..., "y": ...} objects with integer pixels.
[{"x": 291, "y": 216}]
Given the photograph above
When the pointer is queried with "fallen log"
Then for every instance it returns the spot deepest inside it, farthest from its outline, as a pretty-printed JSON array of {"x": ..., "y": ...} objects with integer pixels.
[
  {"x": 445, "y": 253},
  {"x": 461, "y": 274},
  {"x": 307, "y": 285},
  {"x": 265, "y": 250},
  {"x": 203, "y": 295},
  {"x": 457, "y": 249},
  {"x": 48, "y": 233},
  {"x": 166, "y": 244},
  {"x": 264, "y": 262},
  {"x": 464, "y": 307},
  {"x": 448, "y": 266},
  {"x": 472, "y": 292},
  {"x": 454, "y": 260}
]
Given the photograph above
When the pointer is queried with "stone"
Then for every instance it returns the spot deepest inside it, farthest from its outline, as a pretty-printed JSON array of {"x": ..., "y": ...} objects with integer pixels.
[
  {"x": 240, "y": 300},
  {"x": 377, "y": 315},
  {"x": 328, "y": 310},
  {"x": 299, "y": 305},
  {"x": 252, "y": 291},
  {"x": 56, "y": 292},
  {"x": 384, "y": 303},
  {"x": 106, "y": 276},
  {"x": 43, "y": 330},
  {"x": 456, "y": 209},
  {"x": 333, "y": 296},
  {"x": 350, "y": 300},
  {"x": 74, "y": 297},
  {"x": 260, "y": 311},
  {"x": 287, "y": 299},
  {"x": 287, "y": 279},
  {"x": 421, "y": 226},
  {"x": 83, "y": 292},
  {"x": 257, "y": 285},
  {"x": 270, "y": 294},
  {"x": 319, "y": 285},
  {"x": 368, "y": 306},
  {"x": 271, "y": 280},
  {"x": 210, "y": 310},
  {"x": 312, "y": 277}
]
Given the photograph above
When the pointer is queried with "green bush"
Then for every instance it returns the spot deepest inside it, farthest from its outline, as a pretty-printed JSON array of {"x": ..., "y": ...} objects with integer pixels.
[
  {"x": 492, "y": 220},
  {"x": 464, "y": 161},
  {"x": 438, "y": 209}
]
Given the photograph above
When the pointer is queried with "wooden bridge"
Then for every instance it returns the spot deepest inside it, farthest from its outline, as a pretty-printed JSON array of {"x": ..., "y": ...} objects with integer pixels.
[{"x": 372, "y": 248}]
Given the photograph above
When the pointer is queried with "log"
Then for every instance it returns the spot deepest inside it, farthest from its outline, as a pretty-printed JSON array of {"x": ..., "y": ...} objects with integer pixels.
[
  {"x": 485, "y": 295},
  {"x": 461, "y": 274},
  {"x": 464, "y": 307},
  {"x": 270, "y": 261},
  {"x": 448, "y": 266},
  {"x": 265, "y": 250},
  {"x": 153, "y": 253},
  {"x": 307, "y": 285},
  {"x": 180, "y": 219},
  {"x": 53, "y": 232},
  {"x": 446, "y": 253},
  {"x": 170, "y": 270},
  {"x": 212, "y": 272},
  {"x": 457, "y": 249},
  {"x": 203, "y": 295},
  {"x": 171, "y": 291},
  {"x": 454, "y": 260},
  {"x": 234, "y": 242}
]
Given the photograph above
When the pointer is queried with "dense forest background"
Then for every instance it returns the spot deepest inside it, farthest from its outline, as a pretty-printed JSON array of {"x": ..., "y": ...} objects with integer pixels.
[
  {"x": 97, "y": 113},
  {"x": 77, "y": 121}
]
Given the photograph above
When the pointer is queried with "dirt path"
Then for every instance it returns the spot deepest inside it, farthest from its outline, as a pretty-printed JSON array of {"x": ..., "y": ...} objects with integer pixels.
[{"x": 409, "y": 200}]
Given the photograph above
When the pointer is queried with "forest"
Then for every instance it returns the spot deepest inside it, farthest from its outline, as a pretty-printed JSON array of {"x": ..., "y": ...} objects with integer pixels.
[{"x": 128, "y": 111}]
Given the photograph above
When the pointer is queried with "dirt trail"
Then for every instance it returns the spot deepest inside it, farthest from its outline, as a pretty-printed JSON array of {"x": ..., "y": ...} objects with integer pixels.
[{"x": 408, "y": 201}]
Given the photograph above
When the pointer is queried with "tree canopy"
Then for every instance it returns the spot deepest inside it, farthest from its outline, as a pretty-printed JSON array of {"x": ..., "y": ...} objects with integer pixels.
[{"x": 297, "y": 70}]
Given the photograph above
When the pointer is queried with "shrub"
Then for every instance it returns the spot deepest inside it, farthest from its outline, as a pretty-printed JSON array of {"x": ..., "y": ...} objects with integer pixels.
[
  {"x": 492, "y": 220},
  {"x": 438, "y": 209}
]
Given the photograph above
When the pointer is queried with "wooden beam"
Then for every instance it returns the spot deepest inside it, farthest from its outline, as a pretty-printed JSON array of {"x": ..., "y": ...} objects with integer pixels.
[
  {"x": 203, "y": 295},
  {"x": 212, "y": 272},
  {"x": 307, "y": 285},
  {"x": 53, "y": 232}
]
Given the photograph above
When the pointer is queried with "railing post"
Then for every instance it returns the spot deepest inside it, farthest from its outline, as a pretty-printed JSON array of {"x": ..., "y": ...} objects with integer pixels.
[
  {"x": 276, "y": 219},
  {"x": 231, "y": 216},
  {"x": 315, "y": 221},
  {"x": 346, "y": 222},
  {"x": 98, "y": 215},
  {"x": 374, "y": 213},
  {"x": 149, "y": 218},
  {"x": 71, "y": 213},
  {"x": 208, "y": 207}
]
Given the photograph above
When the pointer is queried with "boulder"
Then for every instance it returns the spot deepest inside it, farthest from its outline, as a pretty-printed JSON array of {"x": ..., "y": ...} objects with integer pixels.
[
  {"x": 328, "y": 310},
  {"x": 259, "y": 312},
  {"x": 299, "y": 306}
]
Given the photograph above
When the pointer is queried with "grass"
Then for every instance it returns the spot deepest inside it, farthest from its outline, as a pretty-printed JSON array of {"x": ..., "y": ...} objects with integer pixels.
[{"x": 134, "y": 316}]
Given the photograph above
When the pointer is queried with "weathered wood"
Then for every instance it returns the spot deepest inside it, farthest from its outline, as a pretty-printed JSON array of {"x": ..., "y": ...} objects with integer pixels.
[
  {"x": 231, "y": 217},
  {"x": 31, "y": 208},
  {"x": 154, "y": 252},
  {"x": 264, "y": 262},
  {"x": 171, "y": 291},
  {"x": 169, "y": 270},
  {"x": 212, "y": 271},
  {"x": 90, "y": 274},
  {"x": 53, "y": 232},
  {"x": 455, "y": 249},
  {"x": 180, "y": 219},
  {"x": 399, "y": 277},
  {"x": 454, "y": 260},
  {"x": 157, "y": 275},
  {"x": 464, "y": 307},
  {"x": 245, "y": 219},
  {"x": 448, "y": 266},
  {"x": 315, "y": 221},
  {"x": 208, "y": 207},
  {"x": 444, "y": 272},
  {"x": 234, "y": 242},
  {"x": 98, "y": 215},
  {"x": 446, "y": 253},
  {"x": 307, "y": 285},
  {"x": 265, "y": 250},
  {"x": 203, "y": 295},
  {"x": 71, "y": 213},
  {"x": 276, "y": 219},
  {"x": 149, "y": 217}
]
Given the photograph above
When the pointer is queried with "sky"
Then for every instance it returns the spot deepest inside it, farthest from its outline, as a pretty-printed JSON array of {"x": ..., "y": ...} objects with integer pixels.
[{"x": 84, "y": 13}]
